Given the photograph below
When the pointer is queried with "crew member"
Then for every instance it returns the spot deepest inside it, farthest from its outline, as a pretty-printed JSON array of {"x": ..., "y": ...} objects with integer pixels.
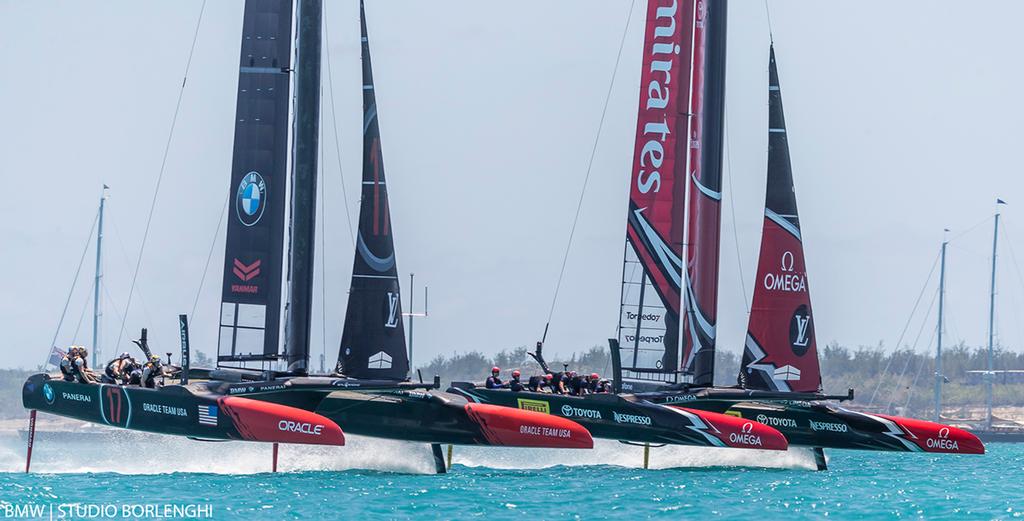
[
  {"x": 515, "y": 385},
  {"x": 576, "y": 385},
  {"x": 67, "y": 364},
  {"x": 114, "y": 371},
  {"x": 594, "y": 383},
  {"x": 150, "y": 371},
  {"x": 80, "y": 367},
  {"x": 606, "y": 386},
  {"x": 494, "y": 381},
  {"x": 132, "y": 370},
  {"x": 541, "y": 384}
]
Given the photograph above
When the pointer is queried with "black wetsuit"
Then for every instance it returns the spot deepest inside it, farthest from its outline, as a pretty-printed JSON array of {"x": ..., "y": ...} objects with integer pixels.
[
  {"x": 80, "y": 368},
  {"x": 594, "y": 386},
  {"x": 66, "y": 365},
  {"x": 536, "y": 382},
  {"x": 494, "y": 382},
  {"x": 515, "y": 385},
  {"x": 149, "y": 374},
  {"x": 113, "y": 371},
  {"x": 576, "y": 386}
]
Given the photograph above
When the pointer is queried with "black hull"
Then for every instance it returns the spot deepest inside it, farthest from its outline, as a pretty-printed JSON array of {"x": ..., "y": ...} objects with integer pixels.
[
  {"x": 814, "y": 423},
  {"x": 626, "y": 418},
  {"x": 301, "y": 410}
]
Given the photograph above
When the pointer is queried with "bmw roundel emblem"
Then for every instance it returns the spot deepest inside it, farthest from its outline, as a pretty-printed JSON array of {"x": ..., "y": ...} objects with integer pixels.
[
  {"x": 48, "y": 393},
  {"x": 251, "y": 199}
]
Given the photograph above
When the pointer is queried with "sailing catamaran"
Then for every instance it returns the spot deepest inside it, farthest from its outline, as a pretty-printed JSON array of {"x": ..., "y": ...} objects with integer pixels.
[
  {"x": 675, "y": 86},
  {"x": 257, "y": 392},
  {"x": 780, "y": 379}
]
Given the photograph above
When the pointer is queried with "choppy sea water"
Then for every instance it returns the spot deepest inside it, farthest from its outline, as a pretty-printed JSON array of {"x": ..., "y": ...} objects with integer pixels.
[{"x": 376, "y": 479}]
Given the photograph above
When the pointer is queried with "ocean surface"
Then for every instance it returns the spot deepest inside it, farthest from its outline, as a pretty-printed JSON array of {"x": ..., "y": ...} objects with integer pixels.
[{"x": 117, "y": 476}]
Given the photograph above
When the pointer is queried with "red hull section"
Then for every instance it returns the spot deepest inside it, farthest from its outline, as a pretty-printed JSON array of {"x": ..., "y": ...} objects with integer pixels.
[
  {"x": 520, "y": 428},
  {"x": 935, "y": 437},
  {"x": 736, "y": 432},
  {"x": 271, "y": 422}
]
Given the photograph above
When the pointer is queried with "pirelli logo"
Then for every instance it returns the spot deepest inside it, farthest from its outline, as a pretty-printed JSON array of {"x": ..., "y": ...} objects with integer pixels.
[{"x": 534, "y": 405}]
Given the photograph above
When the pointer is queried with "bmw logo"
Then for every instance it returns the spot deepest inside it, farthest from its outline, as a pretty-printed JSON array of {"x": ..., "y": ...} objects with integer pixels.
[
  {"x": 48, "y": 393},
  {"x": 251, "y": 199}
]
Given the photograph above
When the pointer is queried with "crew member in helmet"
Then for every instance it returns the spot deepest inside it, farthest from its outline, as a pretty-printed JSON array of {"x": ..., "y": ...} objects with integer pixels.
[
  {"x": 114, "y": 371},
  {"x": 494, "y": 381},
  {"x": 515, "y": 385},
  {"x": 548, "y": 385},
  {"x": 606, "y": 386},
  {"x": 577, "y": 387},
  {"x": 594, "y": 383},
  {"x": 151, "y": 370},
  {"x": 67, "y": 364},
  {"x": 80, "y": 367}
]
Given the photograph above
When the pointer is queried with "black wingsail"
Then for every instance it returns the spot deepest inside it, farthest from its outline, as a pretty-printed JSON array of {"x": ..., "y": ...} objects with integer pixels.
[
  {"x": 373, "y": 341},
  {"x": 251, "y": 294}
]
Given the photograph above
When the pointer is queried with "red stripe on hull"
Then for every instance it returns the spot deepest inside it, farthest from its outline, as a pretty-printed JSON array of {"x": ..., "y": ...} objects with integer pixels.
[
  {"x": 519, "y": 428},
  {"x": 272, "y": 422},
  {"x": 740, "y": 433},
  {"x": 935, "y": 437}
]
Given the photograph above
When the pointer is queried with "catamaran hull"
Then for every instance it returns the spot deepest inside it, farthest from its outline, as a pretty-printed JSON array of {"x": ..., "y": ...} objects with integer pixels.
[
  {"x": 625, "y": 419},
  {"x": 816, "y": 424},
  {"x": 181, "y": 411},
  {"x": 435, "y": 417}
]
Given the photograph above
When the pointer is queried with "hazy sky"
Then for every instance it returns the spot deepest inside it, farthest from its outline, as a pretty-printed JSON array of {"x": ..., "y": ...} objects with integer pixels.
[{"x": 903, "y": 118}]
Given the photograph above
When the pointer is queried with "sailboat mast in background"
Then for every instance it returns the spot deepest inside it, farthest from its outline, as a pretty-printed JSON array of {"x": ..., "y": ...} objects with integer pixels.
[
  {"x": 938, "y": 346},
  {"x": 97, "y": 283},
  {"x": 989, "y": 375}
]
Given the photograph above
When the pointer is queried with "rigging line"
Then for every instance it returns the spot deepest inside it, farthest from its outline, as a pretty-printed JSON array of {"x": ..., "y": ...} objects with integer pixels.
[
  {"x": 769, "y": 14},
  {"x": 590, "y": 164},
  {"x": 913, "y": 350},
  {"x": 970, "y": 229},
  {"x": 732, "y": 207},
  {"x": 209, "y": 256},
  {"x": 913, "y": 385},
  {"x": 334, "y": 123},
  {"x": 128, "y": 263},
  {"x": 78, "y": 271},
  {"x": 323, "y": 240},
  {"x": 163, "y": 166},
  {"x": 905, "y": 327},
  {"x": 85, "y": 306}
]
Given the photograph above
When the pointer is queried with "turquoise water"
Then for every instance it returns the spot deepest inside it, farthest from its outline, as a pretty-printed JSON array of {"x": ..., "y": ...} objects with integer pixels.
[{"x": 860, "y": 485}]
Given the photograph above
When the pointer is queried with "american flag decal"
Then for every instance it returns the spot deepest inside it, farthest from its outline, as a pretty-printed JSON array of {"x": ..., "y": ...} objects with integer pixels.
[{"x": 208, "y": 415}]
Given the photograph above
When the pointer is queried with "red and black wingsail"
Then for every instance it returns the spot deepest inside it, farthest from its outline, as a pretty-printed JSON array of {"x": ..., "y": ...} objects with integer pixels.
[
  {"x": 652, "y": 270},
  {"x": 780, "y": 352},
  {"x": 251, "y": 293},
  {"x": 373, "y": 340},
  {"x": 700, "y": 300}
]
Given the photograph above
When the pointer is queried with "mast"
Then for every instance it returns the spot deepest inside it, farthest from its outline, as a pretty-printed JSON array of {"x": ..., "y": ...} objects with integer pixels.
[
  {"x": 705, "y": 193},
  {"x": 96, "y": 313},
  {"x": 412, "y": 317},
  {"x": 938, "y": 345},
  {"x": 304, "y": 164},
  {"x": 991, "y": 322}
]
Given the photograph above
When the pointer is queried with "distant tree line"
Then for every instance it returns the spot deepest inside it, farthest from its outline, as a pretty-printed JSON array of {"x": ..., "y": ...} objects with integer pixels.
[{"x": 899, "y": 381}]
